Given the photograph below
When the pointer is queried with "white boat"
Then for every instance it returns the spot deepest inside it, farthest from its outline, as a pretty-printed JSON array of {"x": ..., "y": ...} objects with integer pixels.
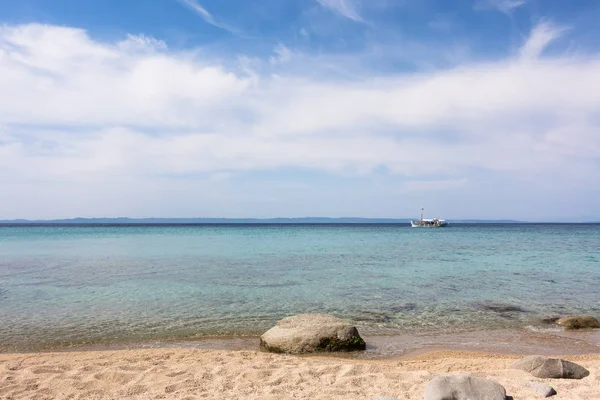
[{"x": 428, "y": 222}]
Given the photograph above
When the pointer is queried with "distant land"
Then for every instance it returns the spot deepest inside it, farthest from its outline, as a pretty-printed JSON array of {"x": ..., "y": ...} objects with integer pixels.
[
  {"x": 304, "y": 220},
  {"x": 307, "y": 220}
]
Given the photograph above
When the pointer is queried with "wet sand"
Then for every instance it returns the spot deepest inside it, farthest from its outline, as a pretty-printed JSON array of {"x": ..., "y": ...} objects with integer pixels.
[{"x": 550, "y": 341}]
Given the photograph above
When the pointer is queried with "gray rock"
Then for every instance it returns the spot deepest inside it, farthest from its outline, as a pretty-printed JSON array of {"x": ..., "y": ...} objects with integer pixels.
[
  {"x": 578, "y": 322},
  {"x": 498, "y": 307},
  {"x": 542, "y": 389},
  {"x": 555, "y": 368},
  {"x": 457, "y": 387},
  {"x": 307, "y": 333},
  {"x": 371, "y": 316}
]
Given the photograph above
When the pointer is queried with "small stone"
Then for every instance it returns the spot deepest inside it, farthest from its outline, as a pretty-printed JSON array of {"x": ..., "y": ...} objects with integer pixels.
[
  {"x": 554, "y": 368},
  {"x": 578, "y": 322},
  {"x": 307, "y": 333},
  {"x": 458, "y": 387},
  {"x": 542, "y": 389}
]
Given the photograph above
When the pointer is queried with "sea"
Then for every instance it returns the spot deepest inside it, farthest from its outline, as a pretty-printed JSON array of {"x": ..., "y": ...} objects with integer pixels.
[{"x": 123, "y": 286}]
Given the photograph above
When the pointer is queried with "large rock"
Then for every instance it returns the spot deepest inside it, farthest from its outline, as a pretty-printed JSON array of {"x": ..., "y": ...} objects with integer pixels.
[
  {"x": 307, "y": 333},
  {"x": 555, "y": 368},
  {"x": 458, "y": 387},
  {"x": 578, "y": 322}
]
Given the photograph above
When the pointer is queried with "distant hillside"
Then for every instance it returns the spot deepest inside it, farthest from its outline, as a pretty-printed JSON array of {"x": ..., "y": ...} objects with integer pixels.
[
  {"x": 307, "y": 220},
  {"x": 485, "y": 221}
]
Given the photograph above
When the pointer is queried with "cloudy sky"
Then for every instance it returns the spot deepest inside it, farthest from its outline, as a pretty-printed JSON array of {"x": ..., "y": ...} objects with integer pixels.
[{"x": 286, "y": 108}]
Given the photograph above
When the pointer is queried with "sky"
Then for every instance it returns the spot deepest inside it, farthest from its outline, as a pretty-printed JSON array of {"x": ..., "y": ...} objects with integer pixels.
[{"x": 292, "y": 108}]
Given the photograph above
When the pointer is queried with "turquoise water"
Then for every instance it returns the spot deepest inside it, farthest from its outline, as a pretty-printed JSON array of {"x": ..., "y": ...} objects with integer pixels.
[{"x": 75, "y": 285}]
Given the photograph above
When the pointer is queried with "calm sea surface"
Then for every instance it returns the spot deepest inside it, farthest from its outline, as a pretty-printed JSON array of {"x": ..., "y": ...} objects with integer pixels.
[{"x": 82, "y": 285}]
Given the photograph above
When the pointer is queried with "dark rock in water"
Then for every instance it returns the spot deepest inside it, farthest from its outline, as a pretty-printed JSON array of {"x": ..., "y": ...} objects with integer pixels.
[
  {"x": 542, "y": 389},
  {"x": 554, "y": 368},
  {"x": 550, "y": 320},
  {"x": 307, "y": 333},
  {"x": 403, "y": 307},
  {"x": 457, "y": 387},
  {"x": 498, "y": 307},
  {"x": 370, "y": 316},
  {"x": 578, "y": 322}
]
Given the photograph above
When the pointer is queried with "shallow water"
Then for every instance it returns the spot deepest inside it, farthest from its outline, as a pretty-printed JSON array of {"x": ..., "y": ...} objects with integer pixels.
[
  {"x": 553, "y": 341},
  {"x": 81, "y": 285}
]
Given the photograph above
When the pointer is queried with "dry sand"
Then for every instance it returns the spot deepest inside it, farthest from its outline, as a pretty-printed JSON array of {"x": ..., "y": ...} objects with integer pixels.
[{"x": 227, "y": 374}]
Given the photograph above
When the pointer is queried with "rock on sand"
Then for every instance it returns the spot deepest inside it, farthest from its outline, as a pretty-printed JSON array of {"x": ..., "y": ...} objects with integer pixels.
[{"x": 307, "y": 333}]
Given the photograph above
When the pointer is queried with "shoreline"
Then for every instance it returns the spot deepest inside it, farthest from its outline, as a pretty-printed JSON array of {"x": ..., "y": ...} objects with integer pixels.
[
  {"x": 180, "y": 373},
  {"x": 382, "y": 347}
]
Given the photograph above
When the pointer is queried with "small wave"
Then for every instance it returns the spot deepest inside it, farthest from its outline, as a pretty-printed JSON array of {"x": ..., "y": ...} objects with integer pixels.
[{"x": 543, "y": 329}]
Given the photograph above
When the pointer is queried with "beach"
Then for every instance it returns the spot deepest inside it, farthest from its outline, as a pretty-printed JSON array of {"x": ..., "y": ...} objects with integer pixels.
[
  {"x": 392, "y": 367},
  {"x": 309, "y": 199},
  {"x": 230, "y": 374}
]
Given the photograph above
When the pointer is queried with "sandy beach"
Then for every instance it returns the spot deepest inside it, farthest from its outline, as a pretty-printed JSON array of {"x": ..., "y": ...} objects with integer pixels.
[{"x": 228, "y": 374}]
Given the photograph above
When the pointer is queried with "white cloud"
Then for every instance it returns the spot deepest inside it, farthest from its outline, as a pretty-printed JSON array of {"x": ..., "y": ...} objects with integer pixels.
[
  {"x": 440, "y": 185},
  {"x": 542, "y": 35},
  {"x": 206, "y": 16},
  {"x": 76, "y": 110},
  {"x": 282, "y": 55},
  {"x": 141, "y": 43},
  {"x": 505, "y": 6},
  {"x": 84, "y": 82},
  {"x": 345, "y": 8}
]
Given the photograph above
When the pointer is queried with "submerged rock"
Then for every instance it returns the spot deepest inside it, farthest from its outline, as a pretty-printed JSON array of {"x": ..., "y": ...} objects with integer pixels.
[
  {"x": 458, "y": 387},
  {"x": 371, "y": 316},
  {"x": 498, "y": 307},
  {"x": 554, "y": 368},
  {"x": 542, "y": 389},
  {"x": 307, "y": 333},
  {"x": 578, "y": 322},
  {"x": 403, "y": 307},
  {"x": 550, "y": 320}
]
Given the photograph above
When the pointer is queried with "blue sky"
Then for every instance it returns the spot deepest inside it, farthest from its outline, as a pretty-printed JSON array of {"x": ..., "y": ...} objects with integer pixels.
[{"x": 268, "y": 108}]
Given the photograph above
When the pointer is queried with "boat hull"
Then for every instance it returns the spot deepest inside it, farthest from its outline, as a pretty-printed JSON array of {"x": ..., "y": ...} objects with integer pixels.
[{"x": 419, "y": 224}]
